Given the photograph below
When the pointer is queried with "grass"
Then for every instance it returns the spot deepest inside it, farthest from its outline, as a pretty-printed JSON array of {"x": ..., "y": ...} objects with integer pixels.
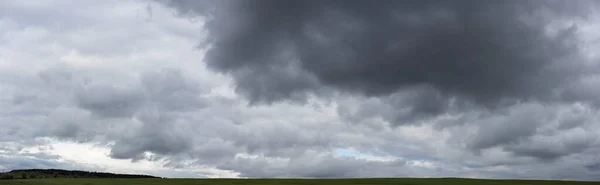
[{"x": 402, "y": 181}]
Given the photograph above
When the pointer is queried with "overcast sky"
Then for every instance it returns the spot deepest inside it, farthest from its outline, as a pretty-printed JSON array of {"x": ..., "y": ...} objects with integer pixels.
[{"x": 313, "y": 88}]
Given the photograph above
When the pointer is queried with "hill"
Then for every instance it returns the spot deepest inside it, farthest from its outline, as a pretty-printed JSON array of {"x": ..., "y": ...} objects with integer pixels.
[{"x": 57, "y": 173}]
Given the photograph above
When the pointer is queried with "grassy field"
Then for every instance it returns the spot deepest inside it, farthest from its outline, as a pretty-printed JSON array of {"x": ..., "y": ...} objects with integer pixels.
[{"x": 282, "y": 181}]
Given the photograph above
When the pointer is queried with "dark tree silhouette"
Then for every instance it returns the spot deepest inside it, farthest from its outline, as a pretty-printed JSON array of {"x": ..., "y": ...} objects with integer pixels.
[{"x": 57, "y": 173}]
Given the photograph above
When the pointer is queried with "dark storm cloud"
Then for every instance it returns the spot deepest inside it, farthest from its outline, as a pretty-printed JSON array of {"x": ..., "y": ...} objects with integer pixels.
[
  {"x": 486, "y": 52},
  {"x": 420, "y": 58}
]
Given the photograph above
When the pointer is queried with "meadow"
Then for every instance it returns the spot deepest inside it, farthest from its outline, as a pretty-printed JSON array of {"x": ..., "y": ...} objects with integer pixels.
[{"x": 400, "y": 181}]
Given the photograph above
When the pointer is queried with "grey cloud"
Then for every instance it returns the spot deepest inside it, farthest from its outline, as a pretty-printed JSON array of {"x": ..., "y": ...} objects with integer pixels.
[
  {"x": 573, "y": 122},
  {"x": 421, "y": 103},
  {"x": 215, "y": 151},
  {"x": 578, "y": 117},
  {"x": 167, "y": 95},
  {"x": 71, "y": 124},
  {"x": 206, "y": 139},
  {"x": 546, "y": 152},
  {"x": 27, "y": 160},
  {"x": 57, "y": 78},
  {"x": 584, "y": 90},
  {"x": 526, "y": 133},
  {"x": 505, "y": 131},
  {"x": 172, "y": 91},
  {"x": 137, "y": 113},
  {"x": 479, "y": 51},
  {"x": 554, "y": 147},
  {"x": 18, "y": 158},
  {"x": 533, "y": 130},
  {"x": 166, "y": 89},
  {"x": 158, "y": 134},
  {"x": 593, "y": 167},
  {"x": 314, "y": 165},
  {"x": 110, "y": 101},
  {"x": 23, "y": 98},
  {"x": 275, "y": 82},
  {"x": 282, "y": 140},
  {"x": 66, "y": 130},
  {"x": 404, "y": 107},
  {"x": 10, "y": 163}
]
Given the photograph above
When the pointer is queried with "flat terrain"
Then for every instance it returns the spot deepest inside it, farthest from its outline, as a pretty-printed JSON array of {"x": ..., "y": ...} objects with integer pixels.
[{"x": 449, "y": 181}]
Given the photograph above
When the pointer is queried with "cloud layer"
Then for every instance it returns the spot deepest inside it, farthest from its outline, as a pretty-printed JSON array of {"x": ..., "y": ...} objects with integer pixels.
[
  {"x": 486, "y": 89},
  {"x": 481, "y": 52}
]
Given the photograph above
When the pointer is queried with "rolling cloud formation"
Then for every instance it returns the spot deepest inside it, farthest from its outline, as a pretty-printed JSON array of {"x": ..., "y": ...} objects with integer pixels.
[{"x": 313, "y": 88}]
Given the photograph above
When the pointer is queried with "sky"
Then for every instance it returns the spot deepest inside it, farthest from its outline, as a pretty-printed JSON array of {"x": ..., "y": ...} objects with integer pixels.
[{"x": 302, "y": 89}]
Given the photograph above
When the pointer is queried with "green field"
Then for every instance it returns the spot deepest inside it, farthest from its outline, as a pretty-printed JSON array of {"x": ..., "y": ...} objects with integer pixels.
[{"x": 450, "y": 181}]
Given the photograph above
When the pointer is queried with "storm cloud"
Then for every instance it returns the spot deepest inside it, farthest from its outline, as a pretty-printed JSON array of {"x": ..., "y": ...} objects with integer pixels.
[
  {"x": 485, "y": 52},
  {"x": 500, "y": 68}
]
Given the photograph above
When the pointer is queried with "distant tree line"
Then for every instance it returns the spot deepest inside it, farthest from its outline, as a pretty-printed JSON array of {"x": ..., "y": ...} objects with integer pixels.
[{"x": 57, "y": 173}]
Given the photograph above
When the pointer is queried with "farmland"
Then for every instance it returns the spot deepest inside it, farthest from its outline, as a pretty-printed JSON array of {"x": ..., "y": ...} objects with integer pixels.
[{"x": 375, "y": 181}]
